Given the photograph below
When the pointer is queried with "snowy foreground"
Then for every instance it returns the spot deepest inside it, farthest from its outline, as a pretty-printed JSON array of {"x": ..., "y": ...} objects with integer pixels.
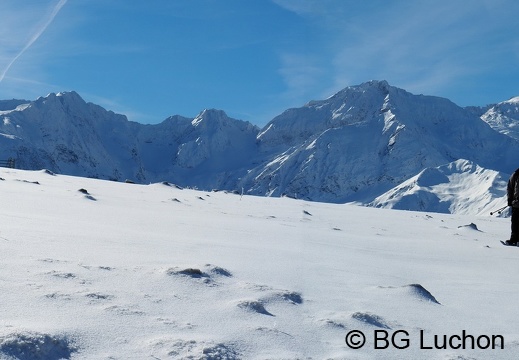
[{"x": 125, "y": 271}]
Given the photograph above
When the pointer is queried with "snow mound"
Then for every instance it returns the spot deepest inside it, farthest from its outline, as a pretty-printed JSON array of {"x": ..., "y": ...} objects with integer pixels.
[
  {"x": 208, "y": 275},
  {"x": 470, "y": 226},
  {"x": 420, "y": 292},
  {"x": 189, "y": 272},
  {"x": 371, "y": 319},
  {"x": 415, "y": 291},
  {"x": 216, "y": 270},
  {"x": 36, "y": 346},
  {"x": 291, "y": 297},
  {"x": 254, "y": 306},
  {"x": 199, "y": 350}
]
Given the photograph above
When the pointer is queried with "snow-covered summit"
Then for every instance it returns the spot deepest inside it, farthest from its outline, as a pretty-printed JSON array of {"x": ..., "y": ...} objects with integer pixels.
[
  {"x": 351, "y": 106},
  {"x": 504, "y": 117}
]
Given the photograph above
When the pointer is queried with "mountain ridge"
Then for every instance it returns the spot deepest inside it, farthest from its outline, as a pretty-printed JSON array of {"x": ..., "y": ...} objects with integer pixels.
[{"x": 354, "y": 146}]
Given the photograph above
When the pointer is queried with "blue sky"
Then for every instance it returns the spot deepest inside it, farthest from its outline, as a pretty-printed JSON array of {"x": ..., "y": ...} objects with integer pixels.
[{"x": 149, "y": 59}]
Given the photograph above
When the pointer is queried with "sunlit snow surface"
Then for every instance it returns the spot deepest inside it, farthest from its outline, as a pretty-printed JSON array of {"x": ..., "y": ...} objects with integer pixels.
[{"x": 94, "y": 269}]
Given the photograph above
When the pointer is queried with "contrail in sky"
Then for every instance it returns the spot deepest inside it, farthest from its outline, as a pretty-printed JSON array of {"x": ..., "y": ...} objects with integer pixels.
[{"x": 35, "y": 37}]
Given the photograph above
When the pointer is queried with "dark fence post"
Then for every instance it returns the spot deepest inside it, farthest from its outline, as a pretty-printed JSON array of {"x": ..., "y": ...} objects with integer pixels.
[{"x": 9, "y": 163}]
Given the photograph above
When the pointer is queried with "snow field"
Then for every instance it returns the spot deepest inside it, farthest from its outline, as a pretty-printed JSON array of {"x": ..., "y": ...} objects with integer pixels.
[{"x": 125, "y": 271}]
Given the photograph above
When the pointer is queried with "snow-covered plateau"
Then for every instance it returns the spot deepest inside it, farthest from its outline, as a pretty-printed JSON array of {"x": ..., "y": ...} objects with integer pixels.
[
  {"x": 371, "y": 144},
  {"x": 97, "y": 269}
]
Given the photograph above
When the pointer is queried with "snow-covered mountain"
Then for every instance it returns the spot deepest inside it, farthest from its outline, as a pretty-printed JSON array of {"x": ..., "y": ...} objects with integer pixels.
[
  {"x": 504, "y": 117},
  {"x": 365, "y": 144},
  {"x": 368, "y": 139},
  {"x": 63, "y": 133}
]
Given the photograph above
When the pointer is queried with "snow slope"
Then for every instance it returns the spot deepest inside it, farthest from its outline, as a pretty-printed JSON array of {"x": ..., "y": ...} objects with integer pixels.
[
  {"x": 94, "y": 269},
  {"x": 460, "y": 187}
]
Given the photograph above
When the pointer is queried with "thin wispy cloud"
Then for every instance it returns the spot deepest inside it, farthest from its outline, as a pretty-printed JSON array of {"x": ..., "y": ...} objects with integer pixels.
[
  {"x": 413, "y": 45},
  {"x": 39, "y": 31},
  {"x": 299, "y": 72}
]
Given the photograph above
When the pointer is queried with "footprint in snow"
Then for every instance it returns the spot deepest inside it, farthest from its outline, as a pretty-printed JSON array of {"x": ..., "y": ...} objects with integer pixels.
[
  {"x": 106, "y": 268},
  {"x": 52, "y": 261},
  {"x": 125, "y": 310},
  {"x": 58, "y": 296},
  {"x": 62, "y": 275},
  {"x": 99, "y": 296}
]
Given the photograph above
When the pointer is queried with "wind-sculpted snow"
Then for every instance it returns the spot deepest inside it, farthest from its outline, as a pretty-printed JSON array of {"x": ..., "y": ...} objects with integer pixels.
[
  {"x": 356, "y": 146},
  {"x": 135, "y": 275},
  {"x": 36, "y": 346}
]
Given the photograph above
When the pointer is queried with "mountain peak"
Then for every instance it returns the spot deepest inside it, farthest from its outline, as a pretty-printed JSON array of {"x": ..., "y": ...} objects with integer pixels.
[
  {"x": 61, "y": 99},
  {"x": 380, "y": 84},
  {"x": 214, "y": 119},
  {"x": 210, "y": 116},
  {"x": 504, "y": 117},
  {"x": 514, "y": 100},
  {"x": 204, "y": 117},
  {"x": 69, "y": 95}
]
